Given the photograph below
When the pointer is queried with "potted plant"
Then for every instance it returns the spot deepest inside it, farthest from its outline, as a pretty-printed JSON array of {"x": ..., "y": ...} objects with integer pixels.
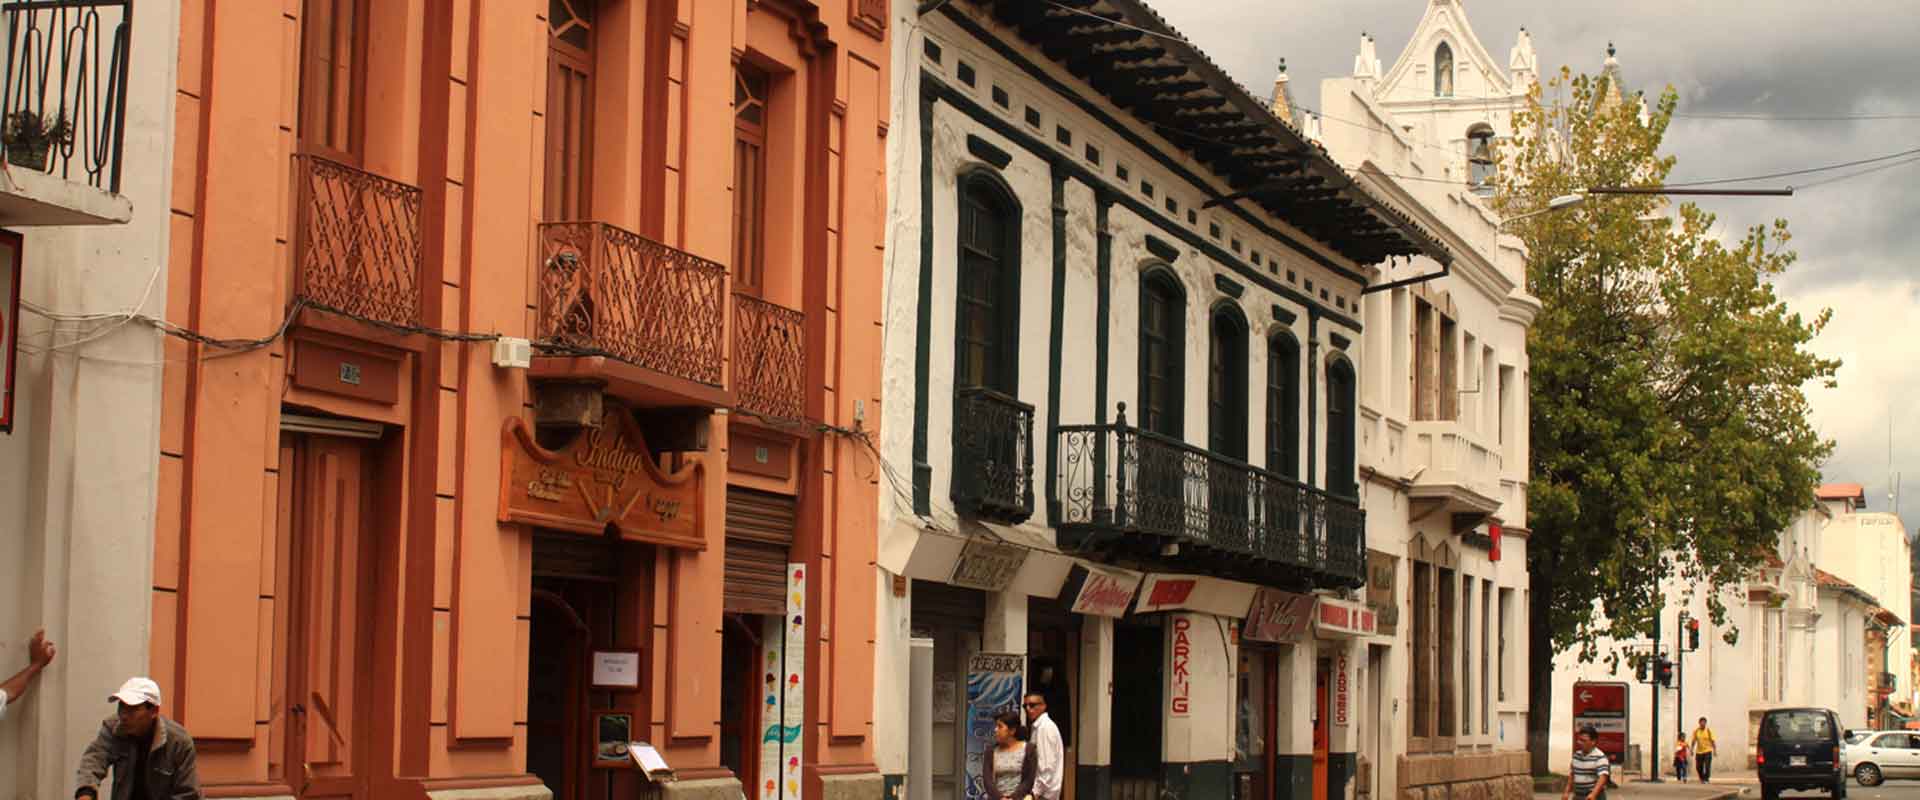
[{"x": 30, "y": 138}]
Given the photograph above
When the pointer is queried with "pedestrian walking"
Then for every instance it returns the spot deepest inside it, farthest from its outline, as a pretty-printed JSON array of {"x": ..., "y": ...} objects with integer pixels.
[
  {"x": 1591, "y": 772},
  {"x": 151, "y": 756},
  {"x": 1045, "y": 739},
  {"x": 1013, "y": 764},
  {"x": 1680, "y": 757},
  {"x": 1703, "y": 751},
  {"x": 40, "y": 652}
]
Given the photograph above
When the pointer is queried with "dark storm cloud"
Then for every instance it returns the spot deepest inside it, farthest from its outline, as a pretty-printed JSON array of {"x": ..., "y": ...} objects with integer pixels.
[{"x": 1858, "y": 240}]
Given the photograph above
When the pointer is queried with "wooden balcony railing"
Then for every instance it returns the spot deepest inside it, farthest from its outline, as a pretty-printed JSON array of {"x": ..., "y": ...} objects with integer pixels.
[
  {"x": 608, "y": 291},
  {"x": 1123, "y": 480},
  {"x": 769, "y": 358},
  {"x": 65, "y": 97},
  {"x": 992, "y": 456},
  {"x": 357, "y": 243}
]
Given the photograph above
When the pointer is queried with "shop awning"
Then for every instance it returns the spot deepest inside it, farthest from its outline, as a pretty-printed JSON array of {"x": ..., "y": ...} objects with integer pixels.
[{"x": 980, "y": 555}]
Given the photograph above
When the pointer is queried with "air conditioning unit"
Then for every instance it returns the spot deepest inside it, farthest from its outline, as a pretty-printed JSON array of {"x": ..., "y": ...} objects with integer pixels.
[{"x": 512, "y": 352}]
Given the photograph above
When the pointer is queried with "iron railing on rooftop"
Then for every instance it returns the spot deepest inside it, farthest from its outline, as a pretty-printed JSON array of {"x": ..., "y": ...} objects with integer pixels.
[{"x": 65, "y": 97}]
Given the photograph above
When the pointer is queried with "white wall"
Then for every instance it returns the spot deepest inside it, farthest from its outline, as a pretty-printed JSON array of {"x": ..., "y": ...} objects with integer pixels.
[{"x": 77, "y": 475}]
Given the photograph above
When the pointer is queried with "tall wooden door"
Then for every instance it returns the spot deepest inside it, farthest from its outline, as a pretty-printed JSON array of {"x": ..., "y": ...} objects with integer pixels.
[{"x": 325, "y": 577}]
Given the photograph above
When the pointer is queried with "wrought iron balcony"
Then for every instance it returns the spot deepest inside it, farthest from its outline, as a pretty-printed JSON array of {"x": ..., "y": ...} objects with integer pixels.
[
  {"x": 357, "y": 244},
  {"x": 65, "y": 99},
  {"x": 611, "y": 292},
  {"x": 769, "y": 358},
  {"x": 1130, "y": 487},
  {"x": 992, "y": 455}
]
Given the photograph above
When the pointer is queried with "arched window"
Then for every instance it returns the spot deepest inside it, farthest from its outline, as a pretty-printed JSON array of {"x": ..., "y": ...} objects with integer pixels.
[
  {"x": 1340, "y": 430},
  {"x": 1163, "y": 324},
  {"x": 1443, "y": 71},
  {"x": 1480, "y": 169},
  {"x": 1283, "y": 405},
  {"x": 1227, "y": 384},
  {"x": 986, "y": 350}
]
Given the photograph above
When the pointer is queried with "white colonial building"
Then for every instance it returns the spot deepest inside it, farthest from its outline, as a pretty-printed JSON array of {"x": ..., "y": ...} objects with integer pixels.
[
  {"x": 1443, "y": 411},
  {"x": 1822, "y": 625},
  {"x": 1128, "y": 342},
  {"x": 84, "y": 246}
]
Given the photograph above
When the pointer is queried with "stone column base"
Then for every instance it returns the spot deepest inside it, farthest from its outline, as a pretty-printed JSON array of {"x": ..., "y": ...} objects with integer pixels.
[
  {"x": 864, "y": 786},
  {"x": 532, "y": 791},
  {"x": 703, "y": 789}
]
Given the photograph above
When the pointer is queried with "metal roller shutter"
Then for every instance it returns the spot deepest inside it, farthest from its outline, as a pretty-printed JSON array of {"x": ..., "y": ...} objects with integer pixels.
[
  {"x": 941, "y": 605},
  {"x": 760, "y": 528}
]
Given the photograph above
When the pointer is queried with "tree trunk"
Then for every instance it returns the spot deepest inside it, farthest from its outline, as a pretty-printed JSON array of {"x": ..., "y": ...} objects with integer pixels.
[{"x": 1540, "y": 668}]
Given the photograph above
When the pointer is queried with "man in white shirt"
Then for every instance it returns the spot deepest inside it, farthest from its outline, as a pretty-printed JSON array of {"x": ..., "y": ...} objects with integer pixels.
[
  {"x": 1050, "y": 755},
  {"x": 39, "y": 654}
]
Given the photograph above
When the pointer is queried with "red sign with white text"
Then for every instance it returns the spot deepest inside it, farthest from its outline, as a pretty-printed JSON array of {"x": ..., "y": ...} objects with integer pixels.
[
  {"x": 1341, "y": 618},
  {"x": 1604, "y": 706}
]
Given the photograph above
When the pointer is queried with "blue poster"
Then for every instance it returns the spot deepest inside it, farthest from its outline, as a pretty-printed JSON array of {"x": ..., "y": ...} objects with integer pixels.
[{"x": 993, "y": 686}]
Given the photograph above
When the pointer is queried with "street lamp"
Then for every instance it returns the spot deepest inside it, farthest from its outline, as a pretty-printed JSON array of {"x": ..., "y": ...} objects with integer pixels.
[{"x": 1563, "y": 201}]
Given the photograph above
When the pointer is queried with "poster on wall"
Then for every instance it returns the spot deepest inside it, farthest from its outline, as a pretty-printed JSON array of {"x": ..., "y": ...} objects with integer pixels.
[
  {"x": 9, "y": 322},
  {"x": 783, "y": 693},
  {"x": 993, "y": 686}
]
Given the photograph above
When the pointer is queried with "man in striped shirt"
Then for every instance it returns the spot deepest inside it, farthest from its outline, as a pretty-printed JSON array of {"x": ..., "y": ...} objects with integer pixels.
[{"x": 1592, "y": 772}]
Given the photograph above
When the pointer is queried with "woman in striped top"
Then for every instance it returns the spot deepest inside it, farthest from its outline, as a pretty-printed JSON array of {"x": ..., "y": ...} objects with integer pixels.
[{"x": 1592, "y": 772}]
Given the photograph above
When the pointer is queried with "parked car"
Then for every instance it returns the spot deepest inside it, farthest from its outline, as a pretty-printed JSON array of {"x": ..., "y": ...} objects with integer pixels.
[
  {"x": 1884, "y": 754},
  {"x": 1800, "y": 749}
]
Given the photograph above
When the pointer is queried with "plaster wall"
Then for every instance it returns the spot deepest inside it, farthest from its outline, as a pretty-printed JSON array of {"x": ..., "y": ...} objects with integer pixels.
[{"x": 78, "y": 471}]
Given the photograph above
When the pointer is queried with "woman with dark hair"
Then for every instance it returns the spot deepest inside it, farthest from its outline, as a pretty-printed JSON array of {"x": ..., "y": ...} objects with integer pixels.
[{"x": 1011, "y": 765}]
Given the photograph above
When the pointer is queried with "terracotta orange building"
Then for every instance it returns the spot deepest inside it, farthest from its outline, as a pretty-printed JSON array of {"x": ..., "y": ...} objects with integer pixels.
[{"x": 532, "y": 416}]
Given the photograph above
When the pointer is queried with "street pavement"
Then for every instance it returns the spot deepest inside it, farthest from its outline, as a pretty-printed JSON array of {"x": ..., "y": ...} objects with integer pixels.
[{"x": 1743, "y": 786}]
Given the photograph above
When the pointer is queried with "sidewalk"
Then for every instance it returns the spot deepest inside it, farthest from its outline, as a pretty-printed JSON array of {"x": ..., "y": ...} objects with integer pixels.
[{"x": 1723, "y": 787}]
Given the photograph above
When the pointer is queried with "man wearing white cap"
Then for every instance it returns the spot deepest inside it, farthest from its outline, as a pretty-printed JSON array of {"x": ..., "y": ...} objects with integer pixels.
[{"x": 152, "y": 756}]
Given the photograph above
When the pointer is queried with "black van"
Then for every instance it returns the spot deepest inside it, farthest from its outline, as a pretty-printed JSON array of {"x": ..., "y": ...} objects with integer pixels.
[{"x": 1799, "y": 749}]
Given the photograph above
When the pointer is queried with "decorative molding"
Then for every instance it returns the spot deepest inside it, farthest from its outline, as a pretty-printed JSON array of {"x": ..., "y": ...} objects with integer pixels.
[
  {"x": 986, "y": 151},
  {"x": 1283, "y": 315},
  {"x": 1228, "y": 286},
  {"x": 1340, "y": 342},
  {"x": 1162, "y": 248}
]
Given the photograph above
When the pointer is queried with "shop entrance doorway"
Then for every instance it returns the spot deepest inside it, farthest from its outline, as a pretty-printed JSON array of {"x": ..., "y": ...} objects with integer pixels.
[
  {"x": 1139, "y": 676},
  {"x": 1322, "y": 739},
  {"x": 580, "y": 597}
]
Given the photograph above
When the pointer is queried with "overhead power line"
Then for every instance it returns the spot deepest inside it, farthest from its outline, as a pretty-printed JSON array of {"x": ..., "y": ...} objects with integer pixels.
[
  {"x": 1807, "y": 171},
  {"x": 1790, "y": 117}
]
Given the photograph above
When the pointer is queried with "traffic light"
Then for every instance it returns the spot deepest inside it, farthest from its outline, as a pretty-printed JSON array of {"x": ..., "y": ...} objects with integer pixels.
[
  {"x": 1640, "y": 672},
  {"x": 1693, "y": 634},
  {"x": 1663, "y": 672}
]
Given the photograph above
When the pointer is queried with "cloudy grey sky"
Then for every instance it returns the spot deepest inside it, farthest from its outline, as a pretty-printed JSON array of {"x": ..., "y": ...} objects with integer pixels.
[{"x": 1858, "y": 239}]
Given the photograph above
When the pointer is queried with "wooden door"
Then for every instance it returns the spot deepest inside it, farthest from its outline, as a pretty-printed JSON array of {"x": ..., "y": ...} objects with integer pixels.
[
  {"x": 327, "y": 580},
  {"x": 1321, "y": 685}
]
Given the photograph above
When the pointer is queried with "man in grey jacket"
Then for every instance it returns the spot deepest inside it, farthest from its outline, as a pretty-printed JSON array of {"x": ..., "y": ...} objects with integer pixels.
[{"x": 151, "y": 756}]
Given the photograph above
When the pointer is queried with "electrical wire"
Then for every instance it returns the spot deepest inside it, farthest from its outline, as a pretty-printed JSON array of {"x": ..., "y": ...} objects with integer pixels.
[
  {"x": 1858, "y": 173},
  {"x": 1791, "y": 117},
  {"x": 1807, "y": 171}
]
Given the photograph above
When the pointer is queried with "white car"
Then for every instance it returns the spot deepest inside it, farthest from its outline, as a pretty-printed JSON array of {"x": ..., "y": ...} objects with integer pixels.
[{"x": 1879, "y": 755}]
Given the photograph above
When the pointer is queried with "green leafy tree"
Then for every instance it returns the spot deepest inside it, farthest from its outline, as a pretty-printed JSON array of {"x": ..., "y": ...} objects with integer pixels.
[{"x": 1669, "y": 424}]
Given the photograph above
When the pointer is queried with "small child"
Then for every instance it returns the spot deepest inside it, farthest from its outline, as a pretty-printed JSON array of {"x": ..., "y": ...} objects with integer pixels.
[{"x": 1680, "y": 758}]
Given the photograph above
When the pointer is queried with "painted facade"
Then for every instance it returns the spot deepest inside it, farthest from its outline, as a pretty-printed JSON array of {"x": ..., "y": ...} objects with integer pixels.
[
  {"x": 1121, "y": 382},
  {"x": 560, "y": 444},
  {"x": 88, "y": 233},
  {"x": 1443, "y": 413}
]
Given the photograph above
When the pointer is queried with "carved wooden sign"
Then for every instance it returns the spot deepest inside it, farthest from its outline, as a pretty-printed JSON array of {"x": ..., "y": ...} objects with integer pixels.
[{"x": 606, "y": 476}]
